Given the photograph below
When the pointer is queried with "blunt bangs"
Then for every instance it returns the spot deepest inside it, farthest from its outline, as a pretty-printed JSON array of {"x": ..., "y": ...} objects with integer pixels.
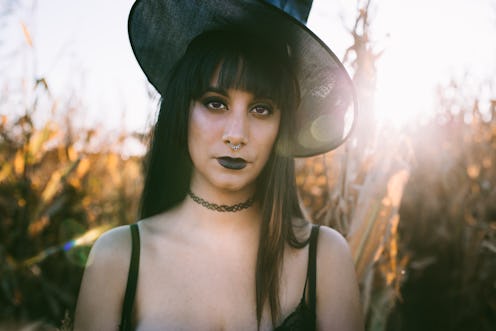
[{"x": 242, "y": 61}]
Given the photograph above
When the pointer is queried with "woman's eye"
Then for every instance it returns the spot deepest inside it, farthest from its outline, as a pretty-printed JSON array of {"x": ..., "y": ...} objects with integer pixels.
[
  {"x": 215, "y": 105},
  {"x": 263, "y": 110}
]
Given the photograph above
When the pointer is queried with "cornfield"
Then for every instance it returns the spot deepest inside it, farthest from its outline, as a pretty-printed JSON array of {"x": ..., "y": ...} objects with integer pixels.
[{"x": 56, "y": 196}]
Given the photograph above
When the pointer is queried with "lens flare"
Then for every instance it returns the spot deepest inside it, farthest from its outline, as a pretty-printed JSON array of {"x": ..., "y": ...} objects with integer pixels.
[{"x": 86, "y": 239}]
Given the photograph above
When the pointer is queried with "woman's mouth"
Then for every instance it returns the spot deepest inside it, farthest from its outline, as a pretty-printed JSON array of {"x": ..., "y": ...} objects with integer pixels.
[{"x": 232, "y": 163}]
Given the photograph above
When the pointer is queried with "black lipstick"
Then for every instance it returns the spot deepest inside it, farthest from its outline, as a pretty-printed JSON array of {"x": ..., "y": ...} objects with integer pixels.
[{"x": 232, "y": 163}]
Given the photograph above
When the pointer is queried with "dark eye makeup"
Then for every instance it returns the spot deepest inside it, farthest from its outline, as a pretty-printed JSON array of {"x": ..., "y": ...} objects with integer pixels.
[
  {"x": 263, "y": 109},
  {"x": 215, "y": 102}
]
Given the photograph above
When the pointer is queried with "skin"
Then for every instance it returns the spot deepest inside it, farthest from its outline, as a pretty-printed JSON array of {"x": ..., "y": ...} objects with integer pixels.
[
  {"x": 236, "y": 117},
  {"x": 205, "y": 260}
]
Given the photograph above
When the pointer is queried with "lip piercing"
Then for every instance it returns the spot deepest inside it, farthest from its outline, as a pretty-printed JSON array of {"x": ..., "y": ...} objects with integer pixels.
[{"x": 234, "y": 147}]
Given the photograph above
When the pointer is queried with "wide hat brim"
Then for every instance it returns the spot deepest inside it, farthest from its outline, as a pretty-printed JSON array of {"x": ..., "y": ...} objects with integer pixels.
[{"x": 160, "y": 31}]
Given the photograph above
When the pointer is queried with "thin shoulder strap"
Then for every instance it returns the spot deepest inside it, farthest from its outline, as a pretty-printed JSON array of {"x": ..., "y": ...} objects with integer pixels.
[
  {"x": 312, "y": 267},
  {"x": 132, "y": 280}
]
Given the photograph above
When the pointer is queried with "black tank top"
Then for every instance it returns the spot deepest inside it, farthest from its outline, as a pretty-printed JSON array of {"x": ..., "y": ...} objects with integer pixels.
[{"x": 302, "y": 318}]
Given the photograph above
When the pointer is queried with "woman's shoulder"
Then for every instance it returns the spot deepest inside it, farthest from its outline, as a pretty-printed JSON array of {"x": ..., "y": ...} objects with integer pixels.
[
  {"x": 337, "y": 286},
  {"x": 110, "y": 255},
  {"x": 331, "y": 242},
  {"x": 334, "y": 254},
  {"x": 112, "y": 245},
  {"x": 115, "y": 244},
  {"x": 104, "y": 281}
]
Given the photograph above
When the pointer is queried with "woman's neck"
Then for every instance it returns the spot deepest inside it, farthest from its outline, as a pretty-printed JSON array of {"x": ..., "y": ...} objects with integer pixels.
[{"x": 210, "y": 219}]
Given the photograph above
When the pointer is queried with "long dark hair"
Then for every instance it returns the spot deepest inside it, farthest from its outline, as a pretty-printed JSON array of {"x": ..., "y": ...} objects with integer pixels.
[{"x": 253, "y": 64}]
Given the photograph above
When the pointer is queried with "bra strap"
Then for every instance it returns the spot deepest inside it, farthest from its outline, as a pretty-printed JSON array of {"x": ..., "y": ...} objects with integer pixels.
[
  {"x": 312, "y": 268},
  {"x": 132, "y": 279}
]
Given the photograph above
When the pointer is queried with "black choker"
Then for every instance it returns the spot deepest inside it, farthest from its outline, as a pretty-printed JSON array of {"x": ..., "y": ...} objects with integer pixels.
[{"x": 221, "y": 208}]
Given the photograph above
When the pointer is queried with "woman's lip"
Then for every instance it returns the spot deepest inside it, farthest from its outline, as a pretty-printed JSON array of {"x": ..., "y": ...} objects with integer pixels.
[{"x": 232, "y": 163}]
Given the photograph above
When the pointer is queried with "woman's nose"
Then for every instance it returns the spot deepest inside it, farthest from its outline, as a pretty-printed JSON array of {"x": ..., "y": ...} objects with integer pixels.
[{"x": 236, "y": 128}]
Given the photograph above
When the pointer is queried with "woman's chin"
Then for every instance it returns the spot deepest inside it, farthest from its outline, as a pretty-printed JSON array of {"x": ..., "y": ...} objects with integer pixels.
[
  {"x": 236, "y": 184},
  {"x": 224, "y": 181}
]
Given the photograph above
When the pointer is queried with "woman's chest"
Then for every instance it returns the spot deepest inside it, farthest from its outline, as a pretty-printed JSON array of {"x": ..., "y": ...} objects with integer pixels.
[
  {"x": 196, "y": 291},
  {"x": 196, "y": 300}
]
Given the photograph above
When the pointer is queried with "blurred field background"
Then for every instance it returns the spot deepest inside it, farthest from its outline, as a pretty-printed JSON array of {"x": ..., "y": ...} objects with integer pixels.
[{"x": 417, "y": 202}]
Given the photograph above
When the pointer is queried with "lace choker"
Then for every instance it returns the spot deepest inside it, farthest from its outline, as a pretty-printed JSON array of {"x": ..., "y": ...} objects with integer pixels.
[{"x": 222, "y": 208}]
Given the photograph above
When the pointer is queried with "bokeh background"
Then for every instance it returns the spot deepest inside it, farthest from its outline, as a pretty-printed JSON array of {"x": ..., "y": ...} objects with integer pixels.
[{"x": 413, "y": 190}]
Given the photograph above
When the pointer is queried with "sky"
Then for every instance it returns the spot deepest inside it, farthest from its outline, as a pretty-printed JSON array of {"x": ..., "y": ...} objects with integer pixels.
[
  {"x": 81, "y": 47},
  {"x": 424, "y": 43}
]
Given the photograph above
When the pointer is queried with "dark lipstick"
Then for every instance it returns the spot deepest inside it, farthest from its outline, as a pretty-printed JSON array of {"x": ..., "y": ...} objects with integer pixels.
[{"x": 232, "y": 163}]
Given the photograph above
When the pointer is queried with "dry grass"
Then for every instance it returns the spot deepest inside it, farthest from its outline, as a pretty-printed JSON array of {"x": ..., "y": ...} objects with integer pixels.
[{"x": 57, "y": 194}]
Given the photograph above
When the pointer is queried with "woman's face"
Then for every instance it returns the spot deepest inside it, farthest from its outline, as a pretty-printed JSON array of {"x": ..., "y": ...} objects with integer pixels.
[{"x": 230, "y": 137}]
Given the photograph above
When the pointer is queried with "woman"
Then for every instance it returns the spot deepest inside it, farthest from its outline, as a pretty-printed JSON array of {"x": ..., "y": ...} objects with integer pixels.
[{"x": 222, "y": 244}]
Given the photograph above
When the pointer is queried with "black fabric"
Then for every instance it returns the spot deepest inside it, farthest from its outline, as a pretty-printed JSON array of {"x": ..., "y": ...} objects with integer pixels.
[
  {"x": 132, "y": 280},
  {"x": 312, "y": 267},
  {"x": 302, "y": 318}
]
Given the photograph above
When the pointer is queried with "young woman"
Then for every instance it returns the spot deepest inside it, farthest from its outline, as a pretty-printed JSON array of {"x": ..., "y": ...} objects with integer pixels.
[{"x": 222, "y": 243}]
